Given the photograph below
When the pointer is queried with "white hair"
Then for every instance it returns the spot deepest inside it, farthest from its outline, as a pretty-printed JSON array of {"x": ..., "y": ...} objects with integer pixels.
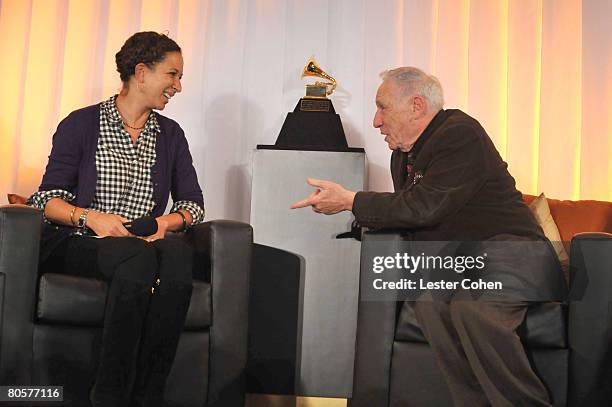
[{"x": 413, "y": 81}]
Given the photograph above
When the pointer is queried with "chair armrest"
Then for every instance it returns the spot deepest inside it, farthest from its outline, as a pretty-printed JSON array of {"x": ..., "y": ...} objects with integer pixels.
[
  {"x": 590, "y": 319},
  {"x": 223, "y": 252},
  {"x": 376, "y": 324},
  {"x": 20, "y": 228}
]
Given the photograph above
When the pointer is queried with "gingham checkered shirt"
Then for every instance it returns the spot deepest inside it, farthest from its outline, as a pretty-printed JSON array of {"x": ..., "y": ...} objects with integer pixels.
[{"x": 124, "y": 185}]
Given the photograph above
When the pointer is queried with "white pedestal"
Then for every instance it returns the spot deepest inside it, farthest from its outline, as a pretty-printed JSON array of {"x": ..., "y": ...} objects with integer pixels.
[{"x": 331, "y": 276}]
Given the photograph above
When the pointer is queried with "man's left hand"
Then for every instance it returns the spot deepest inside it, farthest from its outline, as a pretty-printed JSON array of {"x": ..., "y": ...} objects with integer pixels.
[{"x": 329, "y": 198}]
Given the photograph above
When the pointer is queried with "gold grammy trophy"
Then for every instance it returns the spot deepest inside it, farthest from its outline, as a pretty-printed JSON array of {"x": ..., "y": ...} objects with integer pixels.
[
  {"x": 318, "y": 89},
  {"x": 314, "y": 124},
  {"x": 316, "y": 94}
]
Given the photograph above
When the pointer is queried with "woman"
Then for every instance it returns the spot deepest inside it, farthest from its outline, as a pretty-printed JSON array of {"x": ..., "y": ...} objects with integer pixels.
[{"x": 111, "y": 163}]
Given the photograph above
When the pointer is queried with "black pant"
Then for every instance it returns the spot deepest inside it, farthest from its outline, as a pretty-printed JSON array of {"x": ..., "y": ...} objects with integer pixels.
[{"x": 148, "y": 296}]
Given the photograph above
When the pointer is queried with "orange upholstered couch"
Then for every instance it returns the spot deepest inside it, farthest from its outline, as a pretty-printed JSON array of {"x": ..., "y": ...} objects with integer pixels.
[{"x": 574, "y": 217}]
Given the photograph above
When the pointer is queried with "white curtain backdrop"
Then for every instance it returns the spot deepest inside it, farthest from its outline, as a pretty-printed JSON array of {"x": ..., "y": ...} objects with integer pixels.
[{"x": 536, "y": 73}]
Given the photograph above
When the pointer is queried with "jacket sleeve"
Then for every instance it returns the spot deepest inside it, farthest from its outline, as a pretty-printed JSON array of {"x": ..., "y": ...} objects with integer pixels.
[
  {"x": 455, "y": 173},
  {"x": 185, "y": 186},
  {"x": 63, "y": 166}
]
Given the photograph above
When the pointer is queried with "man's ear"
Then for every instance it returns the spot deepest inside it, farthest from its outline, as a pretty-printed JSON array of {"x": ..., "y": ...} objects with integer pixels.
[{"x": 419, "y": 106}]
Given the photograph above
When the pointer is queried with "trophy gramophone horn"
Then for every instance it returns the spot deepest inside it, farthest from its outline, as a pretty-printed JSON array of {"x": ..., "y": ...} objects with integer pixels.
[{"x": 312, "y": 69}]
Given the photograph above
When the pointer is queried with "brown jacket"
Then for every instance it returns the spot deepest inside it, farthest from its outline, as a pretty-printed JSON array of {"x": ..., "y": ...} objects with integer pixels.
[{"x": 453, "y": 185}]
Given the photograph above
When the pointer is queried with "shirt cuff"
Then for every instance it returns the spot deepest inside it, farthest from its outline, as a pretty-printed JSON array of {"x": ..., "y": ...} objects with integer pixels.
[
  {"x": 39, "y": 199},
  {"x": 195, "y": 210}
]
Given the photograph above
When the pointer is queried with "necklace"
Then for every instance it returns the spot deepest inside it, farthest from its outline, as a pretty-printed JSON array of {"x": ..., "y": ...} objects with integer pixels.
[
  {"x": 131, "y": 127},
  {"x": 125, "y": 123}
]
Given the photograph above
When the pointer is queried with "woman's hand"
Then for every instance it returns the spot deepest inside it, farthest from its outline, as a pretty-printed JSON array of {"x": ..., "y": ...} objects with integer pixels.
[
  {"x": 162, "y": 228},
  {"x": 107, "y": 224}
]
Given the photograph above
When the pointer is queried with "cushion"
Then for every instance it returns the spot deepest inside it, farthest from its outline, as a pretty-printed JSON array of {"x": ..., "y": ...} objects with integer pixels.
[
  {"x": 72, "y": 300},
  {"x": 544, "y": 326},
  {"x": 16, "y": 199},
  {"x": 574, "y": 217},
  {"x": 541, "y": 211},
  {"x": 581, "y": 216}
]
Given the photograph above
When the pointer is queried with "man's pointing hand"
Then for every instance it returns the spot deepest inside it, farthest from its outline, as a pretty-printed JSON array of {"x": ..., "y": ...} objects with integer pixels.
[{"x": 329, "y": 198}]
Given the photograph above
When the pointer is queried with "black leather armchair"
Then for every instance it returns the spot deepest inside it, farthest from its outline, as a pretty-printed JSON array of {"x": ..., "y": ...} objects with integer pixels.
[
  {"x": 569, "y": 344},
  {"x": 50, "y": 327}
]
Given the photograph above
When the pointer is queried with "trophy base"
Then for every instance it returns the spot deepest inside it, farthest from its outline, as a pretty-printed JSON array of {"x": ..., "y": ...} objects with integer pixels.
[{"x": 308, "y": 128}]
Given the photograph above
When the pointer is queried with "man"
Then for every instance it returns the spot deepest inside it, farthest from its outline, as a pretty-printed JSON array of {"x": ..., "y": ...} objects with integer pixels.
[{"x": 450, "y": 184}]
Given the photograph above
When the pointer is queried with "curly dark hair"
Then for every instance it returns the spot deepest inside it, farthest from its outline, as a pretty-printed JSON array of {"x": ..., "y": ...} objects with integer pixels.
[{"x": 147, "y": 47}]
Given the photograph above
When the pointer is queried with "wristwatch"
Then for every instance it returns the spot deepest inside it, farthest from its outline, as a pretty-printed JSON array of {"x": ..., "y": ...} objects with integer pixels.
[{"x": 82, "y": 219}]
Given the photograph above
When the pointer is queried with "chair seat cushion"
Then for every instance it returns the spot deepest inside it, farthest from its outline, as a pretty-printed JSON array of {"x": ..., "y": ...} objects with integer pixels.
[
  {"x": 72, "y": 300},
  {"x": 544, "y": 326}
]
